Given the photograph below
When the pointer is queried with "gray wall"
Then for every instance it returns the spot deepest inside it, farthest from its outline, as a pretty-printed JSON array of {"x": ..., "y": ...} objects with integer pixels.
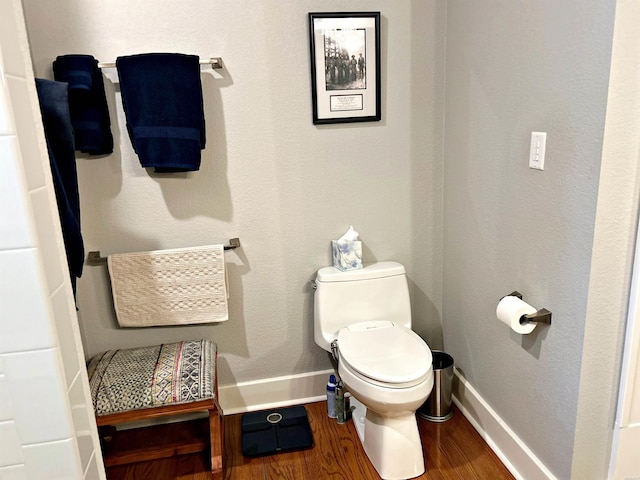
[
  {"x": 513, "y": 68},
  {"x": 284, "y": 186}
]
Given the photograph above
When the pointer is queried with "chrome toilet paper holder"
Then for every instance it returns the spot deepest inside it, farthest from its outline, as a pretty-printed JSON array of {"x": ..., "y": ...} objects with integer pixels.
[{"x": 541, "y": 316}]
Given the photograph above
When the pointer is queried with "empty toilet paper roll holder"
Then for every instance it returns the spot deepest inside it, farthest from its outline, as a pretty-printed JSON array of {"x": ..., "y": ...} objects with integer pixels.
[{"x": 541, "y": 316}]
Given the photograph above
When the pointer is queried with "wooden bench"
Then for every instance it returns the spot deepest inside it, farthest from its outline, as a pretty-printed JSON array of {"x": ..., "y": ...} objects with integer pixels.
[{"x": 145, "y": 383}]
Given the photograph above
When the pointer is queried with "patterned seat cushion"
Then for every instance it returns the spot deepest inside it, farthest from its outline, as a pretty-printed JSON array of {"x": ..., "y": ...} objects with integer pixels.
[{"x": 136, "y": 378}]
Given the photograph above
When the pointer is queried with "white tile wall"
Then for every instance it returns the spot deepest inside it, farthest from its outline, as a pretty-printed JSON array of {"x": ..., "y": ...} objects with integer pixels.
[
  {"x": 93, "y": 471},
  {"x": 6, "y": 409},
  {"x": 21, "y": 320},
  {"x": 10, "y": 446},
  {"x": 30, "y": 143},
  {"x": 10, "y": 36},
  {"x": 29, "y": 375},
  {"x": 46, "y": 229},
  {"x": 81, "y": 422},
  {"x": 15, "y": 215},
  {"x": 66, "y": 337},
  {"x": 47, "y": 428},
  {"x": 14, "y": 472},
  {"x": 53, "y": 460},
  {"x": 6, "y": 120}
]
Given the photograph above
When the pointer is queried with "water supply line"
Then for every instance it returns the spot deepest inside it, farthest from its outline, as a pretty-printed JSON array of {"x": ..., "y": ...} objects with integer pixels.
[{"x": 334, "y": 352}]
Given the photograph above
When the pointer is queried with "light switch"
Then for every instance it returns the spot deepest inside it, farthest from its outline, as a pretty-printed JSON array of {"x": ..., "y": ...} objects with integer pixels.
[{"x": 536, "y": 154}]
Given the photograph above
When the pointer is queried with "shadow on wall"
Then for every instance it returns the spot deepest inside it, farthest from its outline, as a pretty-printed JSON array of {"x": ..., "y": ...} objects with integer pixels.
[
  {"x": 297, "y": 338},
  {"x": 531, "y": 343},
  {"x": 208, "y": 193},
  {"x": 427, "y": 323}
]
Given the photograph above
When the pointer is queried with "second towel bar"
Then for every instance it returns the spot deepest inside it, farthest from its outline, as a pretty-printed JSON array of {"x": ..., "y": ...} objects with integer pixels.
[{"x": 94, "y": 258}]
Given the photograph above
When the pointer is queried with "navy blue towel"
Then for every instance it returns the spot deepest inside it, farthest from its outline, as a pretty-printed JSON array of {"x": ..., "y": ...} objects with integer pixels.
[
  {"x": 87, "y": 102},
  {"x": 54, "y": 107},
  {"x": 162, "y": 100}
]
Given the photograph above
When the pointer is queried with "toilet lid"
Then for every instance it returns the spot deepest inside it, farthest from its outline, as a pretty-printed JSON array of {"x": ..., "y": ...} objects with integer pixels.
[{"x": 385, "y": 352}]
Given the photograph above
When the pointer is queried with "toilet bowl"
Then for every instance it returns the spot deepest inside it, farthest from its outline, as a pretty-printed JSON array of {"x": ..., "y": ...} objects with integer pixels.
[
  {"x": 363, "y": 316},
  {"x": 388, "y": 369}
]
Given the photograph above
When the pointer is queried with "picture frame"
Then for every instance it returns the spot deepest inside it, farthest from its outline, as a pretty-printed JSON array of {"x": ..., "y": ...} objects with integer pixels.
[{"x": 345, "y": 67}]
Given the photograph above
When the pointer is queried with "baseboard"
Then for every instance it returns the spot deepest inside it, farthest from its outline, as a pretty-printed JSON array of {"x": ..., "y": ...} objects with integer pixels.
[
  {"x": 274, "y": 392},
  {"x": 511, "y": 450}
]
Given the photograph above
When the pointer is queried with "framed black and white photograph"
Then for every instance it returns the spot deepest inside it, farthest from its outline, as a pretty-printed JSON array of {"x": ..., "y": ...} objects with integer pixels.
[{"x": 345, "y": 67}]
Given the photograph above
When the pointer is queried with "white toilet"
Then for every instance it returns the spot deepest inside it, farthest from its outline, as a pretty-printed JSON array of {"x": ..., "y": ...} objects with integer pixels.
[{"x": 385, "y": 366}]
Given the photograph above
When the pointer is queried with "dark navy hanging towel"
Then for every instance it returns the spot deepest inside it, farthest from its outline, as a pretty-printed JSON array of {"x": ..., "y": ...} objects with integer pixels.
[
  {"x": 162, "y": 100},
  {"x": 56, "y": 119},
  {"x": 87, "y": 102}
]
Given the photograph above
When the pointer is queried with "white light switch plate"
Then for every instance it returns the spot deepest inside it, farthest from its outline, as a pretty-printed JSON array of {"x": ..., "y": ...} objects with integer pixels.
[{"x": 538, "y": 146}]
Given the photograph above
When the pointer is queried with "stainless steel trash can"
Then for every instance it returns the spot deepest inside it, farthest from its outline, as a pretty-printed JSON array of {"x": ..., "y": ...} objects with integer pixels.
[{"x": 437, "y": 408}]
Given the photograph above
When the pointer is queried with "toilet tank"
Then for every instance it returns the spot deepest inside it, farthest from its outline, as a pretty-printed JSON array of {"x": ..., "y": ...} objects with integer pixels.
[{"x": 378, "y": 291}]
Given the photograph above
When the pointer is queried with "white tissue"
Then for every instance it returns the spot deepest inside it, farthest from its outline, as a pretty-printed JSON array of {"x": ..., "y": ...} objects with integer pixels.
[
  {"x": 347, "y": 251},
  {"x": 350, "y": 236},
  {"x": 509, "y": 311}
]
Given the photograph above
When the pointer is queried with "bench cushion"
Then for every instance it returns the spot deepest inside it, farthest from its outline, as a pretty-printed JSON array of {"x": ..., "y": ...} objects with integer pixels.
[{"x": 146, "y": 377}]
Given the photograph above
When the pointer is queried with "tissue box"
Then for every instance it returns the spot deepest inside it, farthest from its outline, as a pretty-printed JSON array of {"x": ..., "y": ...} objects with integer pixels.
[{"x": 347, "y": 255}]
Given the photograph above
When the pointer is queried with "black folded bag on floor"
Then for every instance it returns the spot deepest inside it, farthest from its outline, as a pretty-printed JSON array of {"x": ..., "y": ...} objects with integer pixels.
[{"x": 273, "y": 431}]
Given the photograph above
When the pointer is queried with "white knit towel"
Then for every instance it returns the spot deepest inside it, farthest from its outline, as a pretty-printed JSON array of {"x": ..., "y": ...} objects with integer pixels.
[{"x": 181, "y": 286}]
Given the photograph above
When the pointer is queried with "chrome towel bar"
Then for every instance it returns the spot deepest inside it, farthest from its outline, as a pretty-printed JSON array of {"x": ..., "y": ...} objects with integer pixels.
[
  {"x": 215, "y": 62},
  {"x": 94, "y": 258}
]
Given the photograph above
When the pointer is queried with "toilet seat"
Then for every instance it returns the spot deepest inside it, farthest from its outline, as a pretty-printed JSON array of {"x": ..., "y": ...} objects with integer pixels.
[{"x": 385, "y": 354}]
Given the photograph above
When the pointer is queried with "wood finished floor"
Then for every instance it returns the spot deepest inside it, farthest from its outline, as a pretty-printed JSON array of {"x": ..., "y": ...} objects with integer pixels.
[{"x": 452, "y": 450}]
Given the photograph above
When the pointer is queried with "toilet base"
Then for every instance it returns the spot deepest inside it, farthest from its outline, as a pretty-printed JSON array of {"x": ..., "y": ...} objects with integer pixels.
[{"x": 392, "y": 444}]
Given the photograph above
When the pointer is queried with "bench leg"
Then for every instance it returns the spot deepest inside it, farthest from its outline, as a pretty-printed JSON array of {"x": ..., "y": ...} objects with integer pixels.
[
  {"x": 105, "y": 434},
  {"x": 216, "y": 432}
]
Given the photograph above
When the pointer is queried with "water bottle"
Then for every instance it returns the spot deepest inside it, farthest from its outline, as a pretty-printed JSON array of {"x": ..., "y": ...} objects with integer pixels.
[{"x": 331, "y": 396}]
